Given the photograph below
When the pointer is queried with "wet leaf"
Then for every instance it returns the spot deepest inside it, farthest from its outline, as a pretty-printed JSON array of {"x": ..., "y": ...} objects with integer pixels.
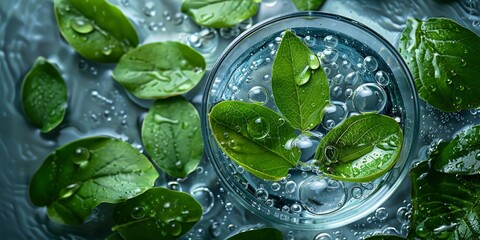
[
  {"x": 299, "y": 84},
  {"x": 78, "y": 176},
  {"x": 96, "y": 29},
  {"x": 308, "y": 5},
  {"x": 445, "y": 206},
  {"x": 44, "y": 95},
  {"x": 172, "y": 136},
  {"x": 461, "y": 155},
  {"x": 220, "y": 13},
  {"x": 255, "y": 137},
  {"x": 360, "y": 149},
  {"x": 443, "y": 58},
  {"x": 157, "y": 214},
  {"x": 259, "y": 234},
  {"x": 160, "y": 70}
]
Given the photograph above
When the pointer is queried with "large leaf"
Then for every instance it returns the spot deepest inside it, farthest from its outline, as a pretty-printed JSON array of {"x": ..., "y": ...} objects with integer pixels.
[
  {"x": 82, "y": 174},
  {"x": 259, "y": 234},
  {"x": 220, "y": 13},
  {"x": 443, "y": 58},
  {"x": 44, "y": 95},
  {"x": 172, "y": 136},
  {"x": 157, "y": 214},
  {"x": 254, "y": 137},
  {"x": 299, "y": 84},
  {"x": 461, "y": 155},
  {"x": 96, "y": 29},
  {"x": 160, "y": 70},
  {"x": 445, "y": 206},
  {"x": 361, "y": 148},
  {"x": 308, "y": 5}
]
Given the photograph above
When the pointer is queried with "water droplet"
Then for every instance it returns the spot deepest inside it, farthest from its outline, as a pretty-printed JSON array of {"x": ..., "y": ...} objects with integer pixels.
[
  {"x": 106, "y": 50},
  {"x": 381, "y": 214},
  {"x": 303, "y": 77},
  {"x": 261, "y": 194},
  {"x": 370, "y": 63},
  {"x": 81, "y": 156},
  {"x": 328, "y": 56},
  {"x": 174, "y": 185},
  {"x": 258, "y": 94},
  {"x": 81, "y": 26},
  {"x": 357, "y": 192},
  {"x": 369, "y": 97},
  {"x": 313, "y": 61},
  {"x": 69, "y": 190},
  {"x": 258, "y": 128},
  {"x": 323, "y": 236},
  {"x": 205, "y": 197},
  {"x": 159, "y": 119},
  {"x": 290, "y": 187},
  {"x": 322, "y": 196},
  {"x": 174, "y": 228},
  {"x": 228, "y": 206},
  {"x": 296, "y": 208},
  {"x": 275, "y": 186},
  {"x": 138, "y": 212},
  {"x": 330, "y": 41},
  {"x": 477, "y": 156},
  {"x": 382, "y": 78}
]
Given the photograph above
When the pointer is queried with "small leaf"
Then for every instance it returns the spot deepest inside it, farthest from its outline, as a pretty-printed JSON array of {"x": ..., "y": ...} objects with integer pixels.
[
  {"x": 255, "y": 137},
  {"x": 462, "y": 154},
  {"x": 259, "y": 234},
  {"x": 172, "y": 136},
  {"x": 219, "y": 13},
  {"x": 157, "y": 214},
  {"x": 308, "y": 5},
  {"x": 299, "y": 84},
  {"x": 360, "y": 149},
  {"x": 445, "y": 206},
  {"x": 77, "y": 177},
  {"x": 443, "y": 58},
  {"x": 96, "y": 29},
  {"x": 44, "y": 95},
  {"x": 160, "y": 70}
]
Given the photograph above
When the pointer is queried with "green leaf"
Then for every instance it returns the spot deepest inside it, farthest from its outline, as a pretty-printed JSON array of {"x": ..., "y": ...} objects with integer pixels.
[
  {"x": 308, "y": 5},
  {"x": 254, "y": 137},
  {"x": 44, "y": 95},
  {"x": 462, "y": 154},
  {"x": 443, "y": 58},
  {"x": 96, "y": 29},
  {"x": 445, "y": 206},
  {"x": 219, "y": 13},
  {"x": 80, "y": 175},
  {"x": 157, "y": 214},
  {"x": 385, "y": 237},
  {"x": 360, "y": 149},
  {"x": 299, "y": 84},
  {"x": 259, "y": 234},
  {"x": 160, "y": 70},
  {"x": 172, "y": 136}
]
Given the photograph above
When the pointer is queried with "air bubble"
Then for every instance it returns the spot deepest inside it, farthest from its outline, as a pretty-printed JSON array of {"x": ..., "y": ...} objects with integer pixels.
[
  {"x": 328, "y": 56},
  {"x": 290, "y": 187},
  {"x": 370, "y": 63},
  {"x": 258, "y": 95},
  {"x": 330, "y": 41},
  {"x": 369, "y": 97},
  {"x": 382, "y": 78},
  {"x": 275, "y": 186},
  {"x": 205, "y": 197},
  {"x": 320, "y": 196}
]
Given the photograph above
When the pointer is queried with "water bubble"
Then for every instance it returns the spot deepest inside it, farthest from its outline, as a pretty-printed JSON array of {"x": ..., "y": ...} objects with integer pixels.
[
  {"x": 348, "y": 92},
  {"x": 205, "y": 41},
  {"x": 313, "y": 61},
  {"x": 275, "y": 186},
  {"x": 338, "y": 79},
  {"x": 261, "y": 194},
  {"x": 360, "y": 68},
  {"x": 296, "y": 208},
  {"x": 303, "y": 77},
  {"x": 356, "y": 192},
  {"x": 328, "y": 56},
  {"x": 174, "y": 185},
  {"x": 178, "y": 18},
  {"x": 381, "y": 214},
  {"x": 290, "y": 187},
  {"x": 81, "y": 156},
  {"x": 285, "y": 209},
  {"x": 323, "y": 236},
  {"x": 330, "y": 41},
  {"x": 382, "y": 78},
  {"x": 336, "y": 92},
  {"x": 351, "y": 78},
  {"x": 369, "y": 97},
  {"x": 309, "y": 41},
  {"x": 258, "y": 94},
  {"x": 370, "y": 63},
  {"x": 215, "y": 229},
  {"x": 138, "y": 212},
  {"x": 335, "y": 113},
  {"x": 322, "y": 196},
  {"x": 205, "y": 197},
  {"x": 258, "y": 128},
  {"x": 346, "y": 64},
  {"x": 403, "y": 215},
  {"x": 228, "y": 206},
  {"x": 149, "y": 9},
  {"x": 81, "y": 26}
]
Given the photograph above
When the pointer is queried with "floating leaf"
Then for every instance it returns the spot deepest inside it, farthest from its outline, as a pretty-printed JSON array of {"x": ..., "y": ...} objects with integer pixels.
[
  {"x": 96, "y": 29},
  {"x": 172, "y": 136},
  {"x": 299, "y": 84},
  {"x": 157, "y": 214},
  {"x": 360, "y": 149},
  {"x": 255, "y": 137},
  {"x": 443, "y": 58},
  {"x": 220, "y": 13},
  {"x": 160, "y": 70},
  {"x": 44, "y": 95},
  {"x": 77, "y": 177}
]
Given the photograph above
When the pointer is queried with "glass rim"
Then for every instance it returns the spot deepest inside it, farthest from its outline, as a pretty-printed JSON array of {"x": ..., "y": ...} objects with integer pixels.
[{"x": 314, "y": 15}]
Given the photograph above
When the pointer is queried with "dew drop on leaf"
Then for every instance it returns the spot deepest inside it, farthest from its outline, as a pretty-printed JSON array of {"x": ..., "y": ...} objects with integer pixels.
[
  {"x": 258, "y": 128},
  {"x": 138, "y": 212},
  {"x": 81, "y": 26}
]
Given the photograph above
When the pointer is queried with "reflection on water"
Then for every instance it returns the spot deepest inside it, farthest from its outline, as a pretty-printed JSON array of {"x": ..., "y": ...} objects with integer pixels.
[{"x": 99, "y": 106}]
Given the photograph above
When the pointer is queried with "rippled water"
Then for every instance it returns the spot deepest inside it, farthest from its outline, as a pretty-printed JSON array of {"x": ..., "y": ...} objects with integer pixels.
[{"x": 99, "y": 106}]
